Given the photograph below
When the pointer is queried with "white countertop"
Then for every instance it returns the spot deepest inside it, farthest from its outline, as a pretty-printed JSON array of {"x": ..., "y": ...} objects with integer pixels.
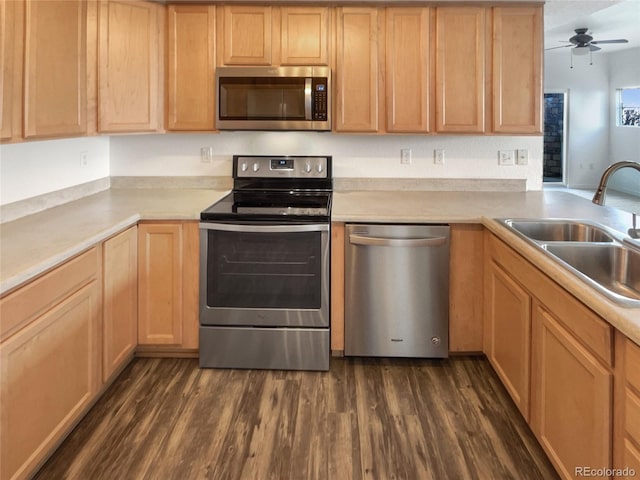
[{"x": 34, "y": 244}]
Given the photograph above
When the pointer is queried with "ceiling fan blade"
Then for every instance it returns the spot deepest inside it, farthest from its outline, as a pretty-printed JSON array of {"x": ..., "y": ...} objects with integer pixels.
[
  {"x": 561, "y": 46},
  {"x": 619, "y": 40},
  {"x": 593, "y": 48}
]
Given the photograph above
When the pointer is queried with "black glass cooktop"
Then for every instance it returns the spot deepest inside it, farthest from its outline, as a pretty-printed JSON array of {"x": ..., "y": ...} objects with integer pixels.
[{"x": 281, "y": 206}]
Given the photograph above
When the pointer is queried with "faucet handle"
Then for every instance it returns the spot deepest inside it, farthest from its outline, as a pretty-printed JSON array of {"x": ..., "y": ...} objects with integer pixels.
[{"x": 633, "y": 232}]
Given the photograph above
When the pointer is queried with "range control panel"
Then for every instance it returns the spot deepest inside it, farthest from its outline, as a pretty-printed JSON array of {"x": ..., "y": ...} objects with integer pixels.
[{"x": 257, "y": 166}]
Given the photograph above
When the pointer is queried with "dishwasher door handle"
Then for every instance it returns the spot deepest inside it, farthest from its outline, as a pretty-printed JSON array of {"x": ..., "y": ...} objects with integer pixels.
[{"x": 397, "y": 242}]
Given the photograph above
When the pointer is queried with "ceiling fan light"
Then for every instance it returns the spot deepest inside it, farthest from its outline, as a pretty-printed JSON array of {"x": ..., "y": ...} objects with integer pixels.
[{"x": 580, "y": 50}]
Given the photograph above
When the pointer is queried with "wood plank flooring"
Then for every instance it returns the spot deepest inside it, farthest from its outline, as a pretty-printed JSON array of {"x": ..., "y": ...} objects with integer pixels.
[{"x": 364, "y": 419}]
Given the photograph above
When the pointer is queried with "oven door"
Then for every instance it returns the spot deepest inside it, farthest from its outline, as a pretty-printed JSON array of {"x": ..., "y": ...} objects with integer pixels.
[{"x": 264, "y": 275}]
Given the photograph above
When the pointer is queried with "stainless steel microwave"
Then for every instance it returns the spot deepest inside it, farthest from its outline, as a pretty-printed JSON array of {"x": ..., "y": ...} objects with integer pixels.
[{"x": 273, "y": 98}]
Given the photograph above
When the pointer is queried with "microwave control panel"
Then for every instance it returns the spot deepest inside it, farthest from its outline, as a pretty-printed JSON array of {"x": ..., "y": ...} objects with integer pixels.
[{"x": 319, "y": 86}]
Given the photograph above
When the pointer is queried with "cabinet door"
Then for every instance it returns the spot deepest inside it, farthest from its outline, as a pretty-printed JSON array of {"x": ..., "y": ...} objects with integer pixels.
[
  {"x": 191, "y": 67},
  {"x": 517, "y": 70},
  {"x": 358, "y": 70},
  {"x": 55, "y": 83},
  {"x": 11, "y": 55},
  {"x": 160, "y": 284},
  {"x": 120, "y": 301},
  {"x": 408, "y": 70},
  {"x": 509, "y": 333},
  {"x": 626, "y": 411},
  {"x": 304, "y": 36},
  {"x": 571, "y": 398},
  {"x": 128, "y": 66},
  {"x": 460, "y": 69},
  {"x": 50, "y": 374},
  {"x": 245, "y": 34}
]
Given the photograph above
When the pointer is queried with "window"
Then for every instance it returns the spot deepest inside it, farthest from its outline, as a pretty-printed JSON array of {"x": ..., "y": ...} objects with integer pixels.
[{"x": 629, "y": 107}]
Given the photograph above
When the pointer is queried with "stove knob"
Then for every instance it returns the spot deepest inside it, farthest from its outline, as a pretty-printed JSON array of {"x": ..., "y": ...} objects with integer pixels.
[
  {"x": 307, "y": 168},
  {"x": 244, "y": 167},
  {"x": 320, "y": 168},
  {"x": 256, "y": 167}
]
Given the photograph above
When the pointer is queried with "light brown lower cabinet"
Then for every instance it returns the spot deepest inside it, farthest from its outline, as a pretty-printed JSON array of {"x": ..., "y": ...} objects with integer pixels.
[
  {"x": 120, "y": 301},
  {"x": 51, "y": 367},
  {"x": 626, "y": 443},
  {"x": 168, "y": 286},
  {"x": 554, "y": 355}
]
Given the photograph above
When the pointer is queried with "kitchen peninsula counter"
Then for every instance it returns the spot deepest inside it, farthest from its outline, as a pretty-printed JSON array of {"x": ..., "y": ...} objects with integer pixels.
[
  {"x": 36, "y": 243},
  {"x": 484, "y": 208}
]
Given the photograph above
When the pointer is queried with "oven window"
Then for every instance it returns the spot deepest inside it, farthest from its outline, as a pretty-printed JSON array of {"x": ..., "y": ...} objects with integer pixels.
[
  {"x": 262, "y": 98},
  {"x": 264, "y": 270}
]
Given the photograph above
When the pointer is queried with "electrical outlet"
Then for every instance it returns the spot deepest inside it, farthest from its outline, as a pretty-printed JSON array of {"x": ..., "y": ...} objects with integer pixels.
[
  {"x": 206, "y": 154},
  {"x": 405, "y": 156},
  {"x": 505, "y": 157},
  {"x": 438, "y": 156},
  {"x": 522, "y": 157},
  {"x": 84, "y": 159}
]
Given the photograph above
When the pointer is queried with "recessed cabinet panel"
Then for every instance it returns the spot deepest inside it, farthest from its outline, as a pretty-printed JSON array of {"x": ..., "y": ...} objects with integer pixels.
[
  {"x": 460, "y": 69},
  {"x": 408, "y": 72},
  {"x": 245, "y": 35},
  {"x": 304, "y": 35},
  {"x": 358, "y": 70},
  {"x": 191, "y": 67},
  {"x": 55, "y": 83},
  {"x": 517, "y": 67},
  {"x": 128, "y": 66},
  {"x": 11, "y": 58}
]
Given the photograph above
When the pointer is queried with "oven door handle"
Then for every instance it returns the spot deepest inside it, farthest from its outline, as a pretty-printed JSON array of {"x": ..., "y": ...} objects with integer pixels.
[{"x": 230, "y": 227}]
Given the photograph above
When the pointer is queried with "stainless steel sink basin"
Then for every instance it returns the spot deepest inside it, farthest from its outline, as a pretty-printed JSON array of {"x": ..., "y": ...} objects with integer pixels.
[
  {"x": 612, "y": 268},
  {"x": 601, "y": 257},
  {"x": 559, "y": 230}
]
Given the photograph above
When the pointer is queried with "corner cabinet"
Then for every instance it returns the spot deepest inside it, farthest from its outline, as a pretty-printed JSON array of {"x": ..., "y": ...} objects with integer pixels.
[
  {"x": 168, "y": 286},
  {"x": 517, "y": 70},
  {"x": 130, "y": 66},
  {"x": 11, "y": 58},
  {"x": 359, "y": 68},
  {"x": 55, "y": 68},
  {"x": 191, "y": 67},
  {"x": 120, "y": 301}
]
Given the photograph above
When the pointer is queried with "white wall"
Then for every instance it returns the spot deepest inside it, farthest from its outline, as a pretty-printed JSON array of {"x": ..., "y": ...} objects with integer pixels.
[
  {"x": 33, "y": 168},
  {"x": 624, "y": 71},
  {"x": 588, "y": 116},
  {"x": 353, "y": 155}
]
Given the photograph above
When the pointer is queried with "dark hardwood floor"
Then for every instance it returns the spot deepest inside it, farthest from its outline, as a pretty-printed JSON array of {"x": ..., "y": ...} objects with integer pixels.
[{"x": 365, "y": 418}]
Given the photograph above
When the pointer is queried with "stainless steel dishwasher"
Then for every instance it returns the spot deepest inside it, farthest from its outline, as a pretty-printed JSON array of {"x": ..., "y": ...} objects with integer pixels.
[{"x": 397, "y": 290}]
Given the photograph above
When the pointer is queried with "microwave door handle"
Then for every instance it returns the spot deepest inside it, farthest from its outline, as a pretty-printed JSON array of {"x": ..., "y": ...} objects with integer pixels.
[{"x": 307, "y": 98}]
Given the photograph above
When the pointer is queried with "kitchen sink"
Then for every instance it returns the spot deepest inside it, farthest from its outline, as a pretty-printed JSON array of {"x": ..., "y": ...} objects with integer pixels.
[
  {"x": 614, "y": 269},
  {"x": 599, "y": 256},
  {"x": 560, "y": 230}
]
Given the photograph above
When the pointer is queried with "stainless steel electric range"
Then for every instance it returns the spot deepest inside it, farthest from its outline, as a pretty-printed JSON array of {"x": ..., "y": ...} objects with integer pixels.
[{"x": 264, "y": 266}]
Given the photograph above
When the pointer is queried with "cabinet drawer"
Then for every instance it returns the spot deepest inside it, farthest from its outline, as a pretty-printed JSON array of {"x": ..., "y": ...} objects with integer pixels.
[{"x": 25, "y": 304}]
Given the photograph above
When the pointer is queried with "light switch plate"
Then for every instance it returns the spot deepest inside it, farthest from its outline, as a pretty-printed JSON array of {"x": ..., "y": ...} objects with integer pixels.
[
  {"x": 522, "y": 158},
  {"x": 505, "y": 157},
  {"x": 438, "y": 156},
  {"x": 405, "y": 156}
]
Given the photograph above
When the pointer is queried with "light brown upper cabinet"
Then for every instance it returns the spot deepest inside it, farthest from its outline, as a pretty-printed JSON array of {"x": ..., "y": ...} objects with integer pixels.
[
  {"x": 517, "y": 70},
  {"x": 304, "y": 36},
  {"x": 460, "y": 69},
  {"x": 129, "y": 66},
  {"x": 191, "y": 67},
  {"x": 359, "y": 65},
  {"x": 55, "y": 69},
  {"x": 408, "y": 70},
  {"x": 11, "y": 57},
  {"x": 245, "y": 35}
]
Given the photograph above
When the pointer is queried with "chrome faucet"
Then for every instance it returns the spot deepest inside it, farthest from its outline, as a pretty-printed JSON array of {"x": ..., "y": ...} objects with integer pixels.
[
  {"x": 598, "y": 197},
  {"x": 602, "y": 186}
]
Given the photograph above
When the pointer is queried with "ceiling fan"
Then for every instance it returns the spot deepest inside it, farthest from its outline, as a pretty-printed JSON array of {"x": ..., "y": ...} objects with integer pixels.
[{"x": 583, "y": 43}]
